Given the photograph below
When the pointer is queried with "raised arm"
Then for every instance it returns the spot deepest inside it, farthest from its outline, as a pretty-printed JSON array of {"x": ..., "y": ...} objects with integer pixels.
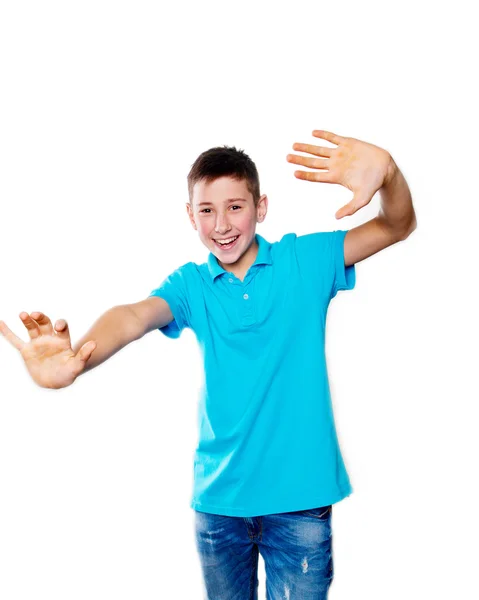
[{"x": 364, "y": 169}]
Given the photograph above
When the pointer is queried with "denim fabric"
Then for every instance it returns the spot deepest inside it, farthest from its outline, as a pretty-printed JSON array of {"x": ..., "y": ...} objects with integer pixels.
[{"x": 296, "y": 548}]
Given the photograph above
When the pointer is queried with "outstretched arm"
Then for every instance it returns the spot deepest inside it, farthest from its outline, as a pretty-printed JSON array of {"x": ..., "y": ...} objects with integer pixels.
[
  {"x": 364, "y": 169},
  {"x": 49, "y": 356}
]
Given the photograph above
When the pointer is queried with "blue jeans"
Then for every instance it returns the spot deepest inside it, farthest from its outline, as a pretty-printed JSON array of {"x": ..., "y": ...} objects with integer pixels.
[{"x": 296, "y": 548}]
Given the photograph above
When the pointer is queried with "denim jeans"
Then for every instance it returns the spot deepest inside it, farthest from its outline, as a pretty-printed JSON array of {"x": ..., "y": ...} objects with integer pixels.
[{"x": 296, "y": 548}]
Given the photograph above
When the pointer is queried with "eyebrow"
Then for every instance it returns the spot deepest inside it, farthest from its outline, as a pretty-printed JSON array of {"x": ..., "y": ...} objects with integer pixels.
[{"x": 225, "y": 201}]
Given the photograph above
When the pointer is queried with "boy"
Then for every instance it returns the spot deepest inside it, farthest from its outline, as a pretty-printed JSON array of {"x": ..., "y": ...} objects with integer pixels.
[{"x": 268, "y": 466}]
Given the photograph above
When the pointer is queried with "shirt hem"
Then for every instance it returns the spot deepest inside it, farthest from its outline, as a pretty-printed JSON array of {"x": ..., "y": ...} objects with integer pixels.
[{"x": 228, "y": 511}]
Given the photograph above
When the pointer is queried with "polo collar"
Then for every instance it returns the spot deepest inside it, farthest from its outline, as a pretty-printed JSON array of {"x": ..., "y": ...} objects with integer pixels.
[{"x": 262, "y": 258}]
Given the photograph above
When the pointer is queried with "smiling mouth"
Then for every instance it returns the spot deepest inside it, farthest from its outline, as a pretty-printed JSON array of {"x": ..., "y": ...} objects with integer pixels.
[{"x": 226, "y": 246}]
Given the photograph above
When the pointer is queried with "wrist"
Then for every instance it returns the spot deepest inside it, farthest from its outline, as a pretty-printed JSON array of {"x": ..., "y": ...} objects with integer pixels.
[{"x": 391, "y": 172}]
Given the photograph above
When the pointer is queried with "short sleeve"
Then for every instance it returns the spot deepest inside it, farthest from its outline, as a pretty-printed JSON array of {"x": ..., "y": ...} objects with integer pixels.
[
  {"x": 174, "y": 290},
  {"x": 320, "y": 256},
  {"x": 344, "y": 277}
]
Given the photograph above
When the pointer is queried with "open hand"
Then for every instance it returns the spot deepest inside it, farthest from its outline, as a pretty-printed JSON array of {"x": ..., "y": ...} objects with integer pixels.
[
  {"x": 361, "y": 167},
  {"x": 48, "y": 356}
]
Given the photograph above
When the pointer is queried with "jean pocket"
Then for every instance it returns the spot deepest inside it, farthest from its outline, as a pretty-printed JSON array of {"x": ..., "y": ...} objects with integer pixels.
[{"x": 322, "y": 512}]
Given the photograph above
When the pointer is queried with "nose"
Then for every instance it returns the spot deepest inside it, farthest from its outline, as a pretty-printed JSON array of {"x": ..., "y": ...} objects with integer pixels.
[{"x": 222, "y": 226}]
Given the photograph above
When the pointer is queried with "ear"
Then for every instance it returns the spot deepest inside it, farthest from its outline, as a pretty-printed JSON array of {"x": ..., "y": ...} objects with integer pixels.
[
  {"x": 261, "y": 208},
  {"x": 191, "y": 215}
]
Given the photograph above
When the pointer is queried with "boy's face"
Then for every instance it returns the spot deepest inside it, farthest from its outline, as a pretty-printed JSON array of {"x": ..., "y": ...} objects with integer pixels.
[{"x": 223, "y": 209}]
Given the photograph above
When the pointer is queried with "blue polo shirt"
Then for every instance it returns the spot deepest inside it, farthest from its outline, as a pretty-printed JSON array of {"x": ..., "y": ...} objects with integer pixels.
[{"x": 267, "y": 439}]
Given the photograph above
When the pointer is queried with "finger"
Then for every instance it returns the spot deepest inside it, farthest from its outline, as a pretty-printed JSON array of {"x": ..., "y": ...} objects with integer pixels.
[
  {"x": 81, "y": 357},
  {"x": 323, "y": 176},
  {"x": 316, "y": 150},
  {"x": 11, "y": 337},
  {"x": 62, "y": 330},
  {"x": 43, "y": 322},
  {"x": 330, "y": 137},
  {"x": 313, "y": 163},
  {"x": 31, "y": 325}
]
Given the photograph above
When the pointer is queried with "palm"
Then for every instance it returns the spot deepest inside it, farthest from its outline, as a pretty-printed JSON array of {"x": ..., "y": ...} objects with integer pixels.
[
  {"x": 49, "y": 361},
  {"x": 359, "y": 166},
  {"x": 48, "y": 356}
]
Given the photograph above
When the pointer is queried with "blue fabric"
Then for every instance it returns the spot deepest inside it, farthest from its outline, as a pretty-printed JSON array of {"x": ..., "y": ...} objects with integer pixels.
[
  {"x": 296, "y": 547},
  {"x": 267, "y": 439}
]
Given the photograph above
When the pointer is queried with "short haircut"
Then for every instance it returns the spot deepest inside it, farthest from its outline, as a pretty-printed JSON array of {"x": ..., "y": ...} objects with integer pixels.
[{"x": 224, "y": 161}]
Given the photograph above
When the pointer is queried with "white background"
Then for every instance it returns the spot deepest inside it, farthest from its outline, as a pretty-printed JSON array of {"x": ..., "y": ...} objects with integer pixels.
[{"x": 104, "y": 106}]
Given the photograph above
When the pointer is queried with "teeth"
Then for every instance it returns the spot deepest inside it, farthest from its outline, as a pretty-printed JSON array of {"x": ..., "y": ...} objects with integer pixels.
[{"x": 224, "y": 242}]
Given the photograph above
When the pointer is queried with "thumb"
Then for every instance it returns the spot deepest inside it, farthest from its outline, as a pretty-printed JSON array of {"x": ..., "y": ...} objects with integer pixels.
[
  {"x": 348, "y": 209},
  {"x": 82, "y": 356},
  {"x": 62, "y": 330}
]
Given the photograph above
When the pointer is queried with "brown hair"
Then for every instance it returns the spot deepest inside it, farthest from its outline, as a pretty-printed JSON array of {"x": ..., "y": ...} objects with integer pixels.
[{"x": 225, "y": 161}]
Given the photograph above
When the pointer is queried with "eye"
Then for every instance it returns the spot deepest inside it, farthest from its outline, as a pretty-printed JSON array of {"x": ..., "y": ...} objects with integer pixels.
[{"x": 233, "y": 206}]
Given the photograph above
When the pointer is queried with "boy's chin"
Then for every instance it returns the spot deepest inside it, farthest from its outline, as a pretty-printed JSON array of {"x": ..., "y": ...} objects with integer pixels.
[
  {"x": 228, "y": 260},
  {"x": 226, "y": 257}
]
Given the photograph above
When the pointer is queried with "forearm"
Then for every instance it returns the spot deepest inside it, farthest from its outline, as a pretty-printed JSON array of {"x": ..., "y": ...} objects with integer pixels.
[
  {"x": 116, "y": 328},
  {"x": 397, "y": 211}
]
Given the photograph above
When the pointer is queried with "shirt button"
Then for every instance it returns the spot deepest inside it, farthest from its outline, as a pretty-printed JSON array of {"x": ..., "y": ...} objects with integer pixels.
[
  {"x": 230, "y": 280},
  {"x": 246, "y": 296}
]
